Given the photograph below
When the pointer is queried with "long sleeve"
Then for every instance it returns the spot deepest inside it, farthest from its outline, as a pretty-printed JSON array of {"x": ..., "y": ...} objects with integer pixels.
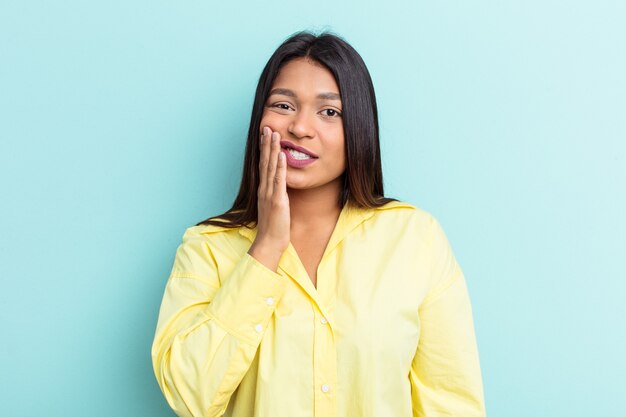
[
  {"x": 210, "y": 326},
  {"x": 445, "y": 374}
]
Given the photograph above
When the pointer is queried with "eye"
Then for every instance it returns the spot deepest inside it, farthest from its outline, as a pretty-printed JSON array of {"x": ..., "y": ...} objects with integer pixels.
[
  {"x": 281, "y": 106},
  {"x": 332, "y": 113}
]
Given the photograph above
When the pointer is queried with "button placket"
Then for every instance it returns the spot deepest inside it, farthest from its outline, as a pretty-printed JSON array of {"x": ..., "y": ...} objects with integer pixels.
[{"x": 324, "y": 366}]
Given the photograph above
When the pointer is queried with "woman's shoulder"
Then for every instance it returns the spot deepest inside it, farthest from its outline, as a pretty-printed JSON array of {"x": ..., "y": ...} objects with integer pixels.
[
  {"x": 199, "y": 247},
  {"x": 210, "y": 232},
  {"x": 208, "y": 229},
  {"x": 408, "y": 218},
  {"x": 406, "y": 210}
]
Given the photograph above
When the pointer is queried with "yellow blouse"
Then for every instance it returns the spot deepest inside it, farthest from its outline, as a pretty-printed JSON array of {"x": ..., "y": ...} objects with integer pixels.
[{"x": 388, "y": 332}]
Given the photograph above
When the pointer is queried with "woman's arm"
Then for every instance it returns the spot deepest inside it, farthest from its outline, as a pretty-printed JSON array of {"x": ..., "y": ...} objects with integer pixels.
[
  {"x": 207, "y": 335},
  {"x": 445, "y": 374}
]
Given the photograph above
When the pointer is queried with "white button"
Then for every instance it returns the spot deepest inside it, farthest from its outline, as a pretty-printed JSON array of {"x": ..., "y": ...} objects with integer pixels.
[
  {"x": 258, "y": 328},
  {"x": 269, "y": 301},
  {"x": 323, "y": 320},
  {"x": 325, "y": 388}
]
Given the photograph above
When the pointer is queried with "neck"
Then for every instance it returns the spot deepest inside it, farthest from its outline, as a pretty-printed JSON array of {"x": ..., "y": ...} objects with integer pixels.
[{"x": 311, "y": 207}]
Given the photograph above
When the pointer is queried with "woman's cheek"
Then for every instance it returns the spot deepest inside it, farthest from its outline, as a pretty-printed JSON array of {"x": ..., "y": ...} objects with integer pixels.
[{"x": 276, "y": 119}]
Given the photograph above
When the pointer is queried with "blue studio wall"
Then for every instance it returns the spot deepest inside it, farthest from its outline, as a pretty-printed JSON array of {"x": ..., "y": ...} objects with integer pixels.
[{"x": 123, "y": 122}]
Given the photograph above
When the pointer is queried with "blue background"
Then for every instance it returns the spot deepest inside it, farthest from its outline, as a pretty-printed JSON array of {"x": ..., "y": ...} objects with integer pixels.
[{"x": 124, "y": 122}]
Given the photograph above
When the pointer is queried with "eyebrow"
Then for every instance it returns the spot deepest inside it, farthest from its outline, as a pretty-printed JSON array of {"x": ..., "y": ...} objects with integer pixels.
[{"x": 288, "y": 92}]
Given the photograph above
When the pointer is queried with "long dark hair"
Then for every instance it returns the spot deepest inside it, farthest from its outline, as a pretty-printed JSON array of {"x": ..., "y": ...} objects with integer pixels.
[{"x": 363, "y": 178}]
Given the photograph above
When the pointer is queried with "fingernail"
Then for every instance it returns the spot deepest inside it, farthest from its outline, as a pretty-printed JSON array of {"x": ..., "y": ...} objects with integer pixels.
[
  {"x": 274, "y": 136},
  {"x": 265, "y": 129}
]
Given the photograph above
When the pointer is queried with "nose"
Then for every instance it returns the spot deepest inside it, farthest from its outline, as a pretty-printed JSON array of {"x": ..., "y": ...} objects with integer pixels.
[{"x": 301, "y": 125}]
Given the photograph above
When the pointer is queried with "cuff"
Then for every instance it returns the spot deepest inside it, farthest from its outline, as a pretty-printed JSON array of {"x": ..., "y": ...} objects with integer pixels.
[{"x": 247, "y": 298}]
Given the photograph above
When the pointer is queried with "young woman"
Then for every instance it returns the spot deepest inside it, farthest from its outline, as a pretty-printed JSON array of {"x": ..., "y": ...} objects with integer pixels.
[{"x": 315, "y": 295}]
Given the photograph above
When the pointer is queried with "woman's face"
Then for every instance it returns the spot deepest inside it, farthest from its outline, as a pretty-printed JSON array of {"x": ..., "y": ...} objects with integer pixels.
[{"x": 304, "y": 106}]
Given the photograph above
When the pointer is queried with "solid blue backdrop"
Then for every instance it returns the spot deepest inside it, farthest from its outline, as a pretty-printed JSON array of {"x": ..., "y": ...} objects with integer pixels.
[{"x": 122, "y": 123}]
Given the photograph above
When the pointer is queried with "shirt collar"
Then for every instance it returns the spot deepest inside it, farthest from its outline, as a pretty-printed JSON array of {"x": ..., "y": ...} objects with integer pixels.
[{"x": 349, "y": 218}]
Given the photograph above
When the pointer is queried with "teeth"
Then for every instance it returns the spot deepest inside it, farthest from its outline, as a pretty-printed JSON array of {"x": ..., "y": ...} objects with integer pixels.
[{"x": 298, "y": 154}]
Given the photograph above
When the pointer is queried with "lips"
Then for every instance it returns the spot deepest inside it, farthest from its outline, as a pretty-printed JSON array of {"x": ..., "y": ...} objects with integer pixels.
[{"x": 287, "y": 144}]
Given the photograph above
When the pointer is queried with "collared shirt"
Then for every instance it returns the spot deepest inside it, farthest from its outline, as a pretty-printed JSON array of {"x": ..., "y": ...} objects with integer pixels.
[{"x": 388, "y": 332}]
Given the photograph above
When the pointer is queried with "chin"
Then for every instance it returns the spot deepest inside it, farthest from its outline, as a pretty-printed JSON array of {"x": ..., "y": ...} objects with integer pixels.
[{"x": 297, "y": 185}]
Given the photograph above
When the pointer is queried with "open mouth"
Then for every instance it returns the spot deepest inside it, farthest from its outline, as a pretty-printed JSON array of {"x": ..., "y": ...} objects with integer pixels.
[
  {"x": 297, "y": 155},
  {"x": 297, "y": 152}
]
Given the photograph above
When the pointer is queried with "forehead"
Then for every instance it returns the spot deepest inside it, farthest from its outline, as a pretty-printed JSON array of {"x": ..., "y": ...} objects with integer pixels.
[{"x": 305, "y": 78}]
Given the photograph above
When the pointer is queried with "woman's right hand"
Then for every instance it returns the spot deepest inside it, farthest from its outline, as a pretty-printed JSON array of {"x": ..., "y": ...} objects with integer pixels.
[{"x": 273, "y": 225}]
